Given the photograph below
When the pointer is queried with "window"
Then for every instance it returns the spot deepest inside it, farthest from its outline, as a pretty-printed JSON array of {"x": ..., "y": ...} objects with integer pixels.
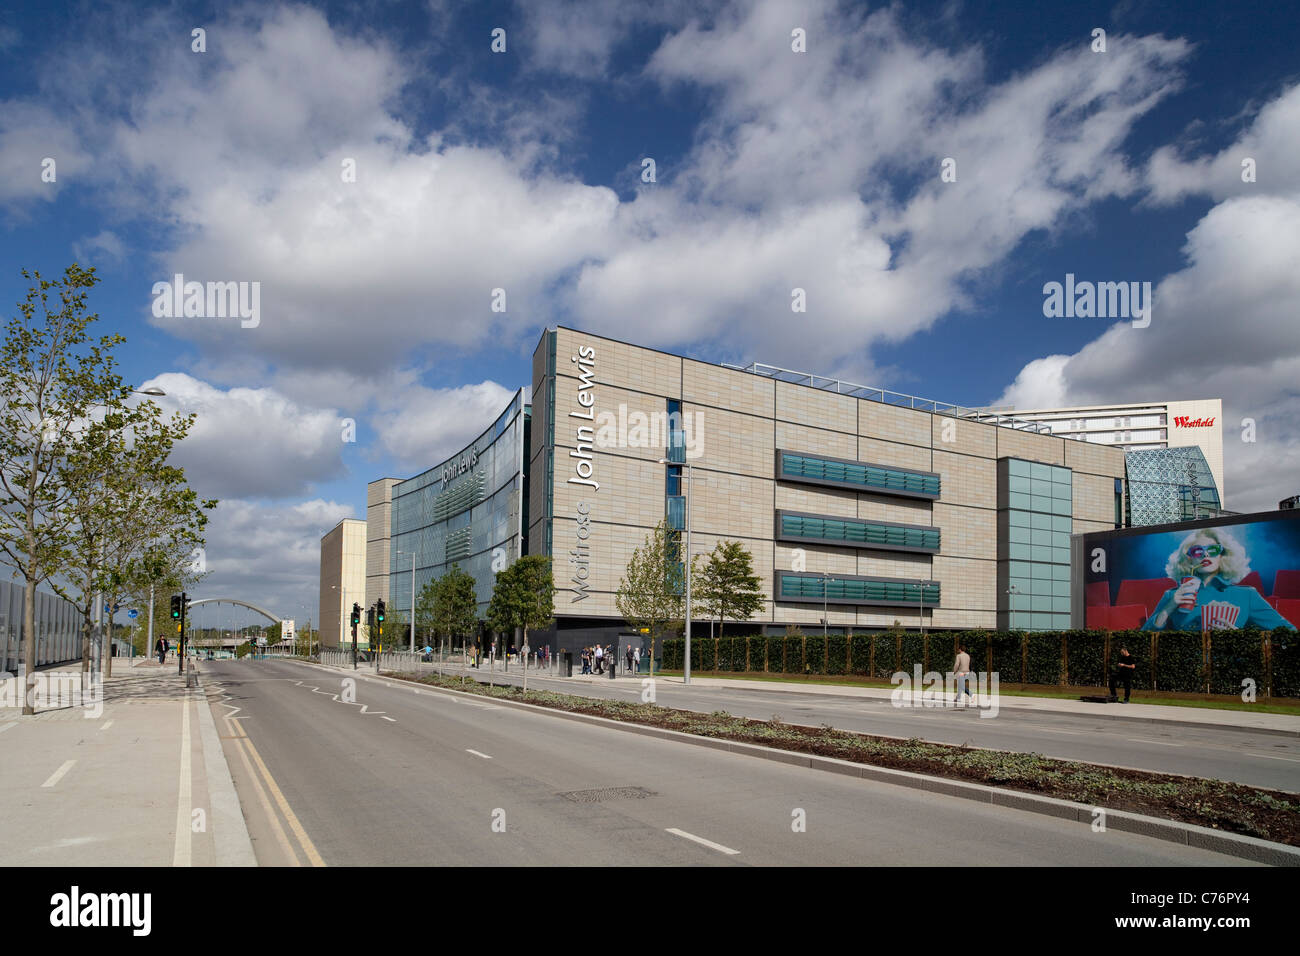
[
  {"x": 840, "y": 589},
  {"x": 860, "y": 476},
  {"x": 855, "y": 533}
]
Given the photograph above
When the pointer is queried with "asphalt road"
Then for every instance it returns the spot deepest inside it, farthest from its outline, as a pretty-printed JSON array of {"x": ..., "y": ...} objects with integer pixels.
[
  {"x": 1241, "y": 756},
  {"x": 407, "y": 776}
]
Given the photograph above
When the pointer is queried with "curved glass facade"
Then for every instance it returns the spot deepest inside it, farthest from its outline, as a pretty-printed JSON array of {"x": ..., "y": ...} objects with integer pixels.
[
  {"x": 462, "y": 511},
  {"x": 1169, "y": 484}
]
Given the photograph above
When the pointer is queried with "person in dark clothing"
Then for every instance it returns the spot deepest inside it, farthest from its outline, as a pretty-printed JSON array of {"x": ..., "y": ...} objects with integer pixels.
[
  {"x": 1122, "y": 671},
  {"x": 160, "y": 648}
]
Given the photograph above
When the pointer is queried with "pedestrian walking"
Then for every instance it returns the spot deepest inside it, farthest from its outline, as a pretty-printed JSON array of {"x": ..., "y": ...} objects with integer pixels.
[
  {"x": 961, "y": 670},
  {"x": 160, "y": 648},
  {"x": 628, "y": 656},
  {"x": 600, "y": 659},
  {"x": 1122, "y": 671}
]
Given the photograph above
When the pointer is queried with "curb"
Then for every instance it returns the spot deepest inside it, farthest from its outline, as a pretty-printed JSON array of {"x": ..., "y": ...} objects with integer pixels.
[
  {"x": 1170, "y": 831},
  {"x": 230, "y": 836}
]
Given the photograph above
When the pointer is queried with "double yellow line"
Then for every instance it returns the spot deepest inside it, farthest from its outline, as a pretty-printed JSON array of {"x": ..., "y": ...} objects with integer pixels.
[{"x": 267, "y": 789}]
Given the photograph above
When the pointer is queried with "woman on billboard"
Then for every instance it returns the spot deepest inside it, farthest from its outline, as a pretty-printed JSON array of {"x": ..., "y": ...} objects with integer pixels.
[{"x": 1207, "y": 566}]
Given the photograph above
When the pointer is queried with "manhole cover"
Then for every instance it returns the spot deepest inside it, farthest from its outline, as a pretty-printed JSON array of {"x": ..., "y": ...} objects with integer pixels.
[{"x": 608, "y": 793}]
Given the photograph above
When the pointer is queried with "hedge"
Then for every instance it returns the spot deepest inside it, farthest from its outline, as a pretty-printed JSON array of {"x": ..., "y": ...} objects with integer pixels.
[{"x": 1181, "y": 661}]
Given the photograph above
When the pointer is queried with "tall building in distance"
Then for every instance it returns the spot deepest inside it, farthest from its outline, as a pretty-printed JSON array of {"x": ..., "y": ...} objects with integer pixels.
[
  {"x": 342, "y": 580},
  {"x": 1174, "y": 452}
]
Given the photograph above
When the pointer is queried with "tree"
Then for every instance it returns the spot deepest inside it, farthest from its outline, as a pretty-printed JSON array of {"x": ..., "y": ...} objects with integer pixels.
[
  {"x": 725, "y": 586},
  {"x": 134, "y": 511},
  {"x": 455, "y": 605},
  {"x": 650, "y": 592},
  {"x": 53, "y": 376},
  {"x": 523, "y": 597}
]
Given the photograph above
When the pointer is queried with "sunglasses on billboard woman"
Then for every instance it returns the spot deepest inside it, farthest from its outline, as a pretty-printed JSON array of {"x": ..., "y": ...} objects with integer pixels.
[{"x": 1197, "y": 551}]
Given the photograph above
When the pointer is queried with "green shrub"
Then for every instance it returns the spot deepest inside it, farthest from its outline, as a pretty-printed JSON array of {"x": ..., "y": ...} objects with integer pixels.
[
  {"x": 1043, "y": 658},
  {"x": 775, "y": 654},
  {"x": 794, "y": 655},
  {"x": 1286, "y": 662},
  {"x": 1006, "y": 656},
  {"x": 861, "y": 653},
  {"x": 703, "y": 656},
  {"x": 814, "y": 659},
  {"x": 1235, "y": 656},
  {"x": 941, "y": 651},
  {"x": 1087, "y": 650},
  {"x": 837, "y": 654},
  {"x": 1179, "y": 665},
  {"x": 886, "y": 651},
  {"x": 670, "y": 654},
  {"x": 912, "y": 652}
]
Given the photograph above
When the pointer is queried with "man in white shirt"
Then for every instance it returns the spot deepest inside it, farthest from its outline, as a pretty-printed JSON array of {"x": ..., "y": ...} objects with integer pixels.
[{"x": 961, "y": 670}]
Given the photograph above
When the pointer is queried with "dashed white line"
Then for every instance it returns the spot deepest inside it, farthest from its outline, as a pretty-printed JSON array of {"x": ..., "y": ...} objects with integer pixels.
[
  {"x": 1275, "y": 757},
  {"x": 105, "y": 725},
  {"x": 703, "y": 842},
  {"x": 58, "y": 774},
  {"x": 477, "y": 754},
  {"x": 8, "y": 726},
  {"x": 1163, "y": 743}
]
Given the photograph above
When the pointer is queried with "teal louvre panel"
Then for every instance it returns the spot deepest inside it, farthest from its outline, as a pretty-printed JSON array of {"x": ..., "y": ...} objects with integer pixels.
[
  {"x": 860, "y": 476},
  {"x": 843, "y": 589},
  {"x": 792, "y": 526}
]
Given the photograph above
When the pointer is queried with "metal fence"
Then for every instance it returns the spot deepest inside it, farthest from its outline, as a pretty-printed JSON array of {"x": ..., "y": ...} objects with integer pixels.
[{"x": 58, "y": 628}]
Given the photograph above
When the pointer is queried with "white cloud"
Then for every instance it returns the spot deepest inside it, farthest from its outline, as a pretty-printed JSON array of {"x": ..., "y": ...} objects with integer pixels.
[
  {"x": 253, "y": 442},
  {"x": 420, "y": 427}
]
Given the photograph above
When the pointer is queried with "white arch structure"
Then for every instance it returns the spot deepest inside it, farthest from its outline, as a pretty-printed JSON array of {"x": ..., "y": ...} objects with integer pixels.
[{"x": 252, "y": 607}]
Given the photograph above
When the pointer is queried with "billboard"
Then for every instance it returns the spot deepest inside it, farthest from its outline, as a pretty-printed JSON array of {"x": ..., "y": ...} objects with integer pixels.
[{"x": 1229, "y": 573}]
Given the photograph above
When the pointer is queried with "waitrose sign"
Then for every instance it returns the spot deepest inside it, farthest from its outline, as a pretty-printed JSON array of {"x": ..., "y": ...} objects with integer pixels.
[{"x": 584, "y": 469}]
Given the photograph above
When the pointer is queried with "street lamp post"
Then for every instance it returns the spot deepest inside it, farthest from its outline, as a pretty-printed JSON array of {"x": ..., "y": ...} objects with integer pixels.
[
  {"x": 826, "y": 584},
  {"x": 1011, "y": 611},
  {"x": 920, "y": 604}
]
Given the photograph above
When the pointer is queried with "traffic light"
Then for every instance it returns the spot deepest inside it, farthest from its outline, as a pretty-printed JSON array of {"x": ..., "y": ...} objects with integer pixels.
[
  {"x": 370, "y": 617},
  {"x": 176, "y": 607},
  {"x": 379, "y": 610},
  {"x": 356, "y": 619}
]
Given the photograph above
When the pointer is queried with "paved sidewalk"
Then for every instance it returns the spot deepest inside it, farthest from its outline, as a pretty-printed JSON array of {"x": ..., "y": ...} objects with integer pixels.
[
  {"x": 1199, "y": 716},
  {"x": 132, "y": 776}
]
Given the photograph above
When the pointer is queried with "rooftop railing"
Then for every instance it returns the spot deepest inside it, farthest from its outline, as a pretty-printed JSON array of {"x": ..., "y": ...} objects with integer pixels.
[{"x": 887, "y": 397}]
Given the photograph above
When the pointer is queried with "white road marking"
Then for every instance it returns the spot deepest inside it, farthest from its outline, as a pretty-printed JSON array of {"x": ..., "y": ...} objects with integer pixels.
[
  {"x": 106, "y": 725},
  {"x": 703, "y": 842},
  {"x": 181, "y": 856},
  {"x": 58, "y": 774},
  {"x": 8, "y": 726},
  {"x": 1275, "y": 757},
  {"x": 477, "y": 754},
  {"x": 1163, "y": 743}
]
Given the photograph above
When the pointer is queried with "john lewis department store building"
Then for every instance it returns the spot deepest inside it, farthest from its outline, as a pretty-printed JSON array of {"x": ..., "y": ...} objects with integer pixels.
[{"x": 876, "y": 506}]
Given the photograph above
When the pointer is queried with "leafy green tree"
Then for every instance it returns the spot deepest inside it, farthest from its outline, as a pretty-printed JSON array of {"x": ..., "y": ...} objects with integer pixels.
[
  {"x": 132, "y": 508},
  {"x": 54, "y": 376},
  {"x": 455, "y": 605},
  {"x": 649, "y": 594},
  {"x": 523, "y": 597},
  {"x": 725, "y": 586}
]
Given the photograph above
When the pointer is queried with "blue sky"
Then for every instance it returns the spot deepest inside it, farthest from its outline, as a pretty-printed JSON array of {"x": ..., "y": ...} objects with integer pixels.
[{"x": 775, "y": 169}]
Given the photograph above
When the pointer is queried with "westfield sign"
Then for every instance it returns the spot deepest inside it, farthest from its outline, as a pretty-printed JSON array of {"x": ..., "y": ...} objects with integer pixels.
[{"x": 1182, "y": 421}]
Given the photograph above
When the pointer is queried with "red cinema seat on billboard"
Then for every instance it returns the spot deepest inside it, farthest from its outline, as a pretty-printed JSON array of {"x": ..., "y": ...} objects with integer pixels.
[
  {"x": 1127, "y": 617},
  {"x": 1144, "y": 591},
  {"x": 1097, "y": 594},
  {"x": 1253, "y": 580},
  {"x": 1286, "y": 584},
  {"x": 1289, "y": 608}
]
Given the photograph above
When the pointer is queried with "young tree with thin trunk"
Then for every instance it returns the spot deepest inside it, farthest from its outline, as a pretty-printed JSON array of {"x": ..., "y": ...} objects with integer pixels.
[
  {"x": 523, "y": 597},
  {"x": 725, "y": 586},
  {"x": 53, "y": 378},
  {"x": 455, "y": 606},
  {"x": 650, "y": 593}
]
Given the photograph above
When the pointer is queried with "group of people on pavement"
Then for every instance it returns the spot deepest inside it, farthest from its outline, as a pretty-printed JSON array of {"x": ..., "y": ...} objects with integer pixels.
[{"x": 600, "y": 658}]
